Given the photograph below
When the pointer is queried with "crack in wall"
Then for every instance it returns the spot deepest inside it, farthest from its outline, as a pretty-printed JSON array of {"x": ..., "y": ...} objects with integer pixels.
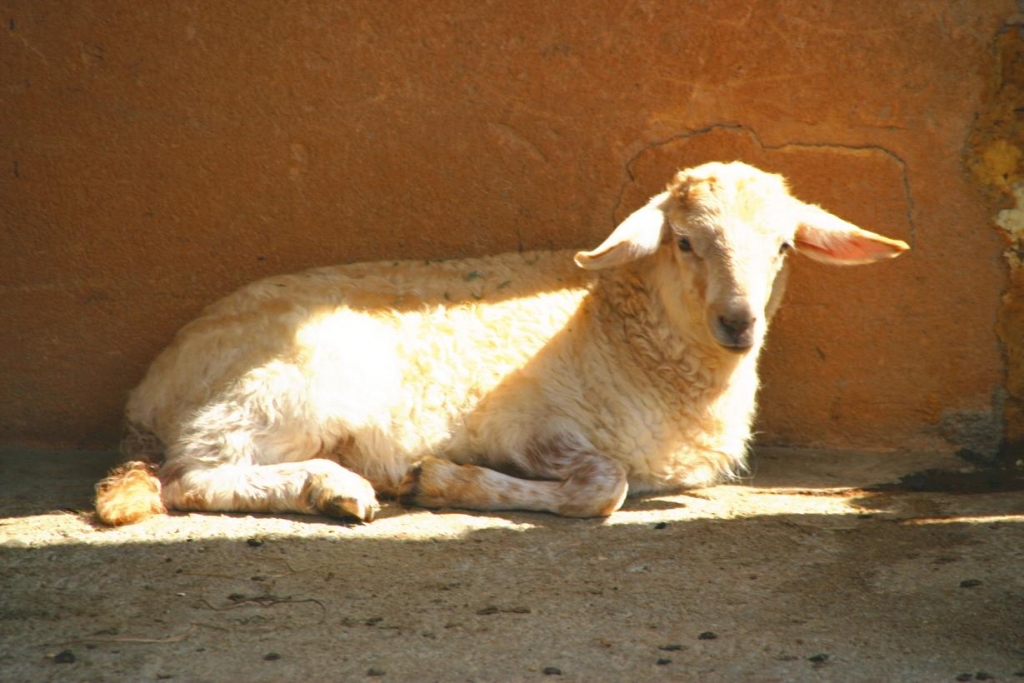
[
  {"x": 900, "y": 161},
  {"x": 911, "y": 206},
  {"x": 631, "y": 162}
]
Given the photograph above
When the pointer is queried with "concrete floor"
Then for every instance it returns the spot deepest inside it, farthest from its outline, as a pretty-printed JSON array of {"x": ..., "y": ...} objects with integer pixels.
[{"x": 807, "y": 571}]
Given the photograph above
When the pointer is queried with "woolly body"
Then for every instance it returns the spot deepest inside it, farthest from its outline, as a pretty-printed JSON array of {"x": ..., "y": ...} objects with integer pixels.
[{"x": 635, "y": 372}]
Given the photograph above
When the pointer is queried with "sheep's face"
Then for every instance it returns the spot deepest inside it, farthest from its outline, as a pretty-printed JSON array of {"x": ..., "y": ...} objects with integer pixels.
[
  {"x": 729, "y": 235},
  {"x": 727, "y": 230}
]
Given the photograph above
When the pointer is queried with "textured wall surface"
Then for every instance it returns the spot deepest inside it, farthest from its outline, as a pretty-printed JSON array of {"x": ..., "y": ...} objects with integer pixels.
[
  {"x": 154, "y": 156},
  {"x": 995, "y": 155}
]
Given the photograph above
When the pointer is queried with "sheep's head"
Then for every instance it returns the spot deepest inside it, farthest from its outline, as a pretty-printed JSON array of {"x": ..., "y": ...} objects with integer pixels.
[{"x": 724, "y": 232}]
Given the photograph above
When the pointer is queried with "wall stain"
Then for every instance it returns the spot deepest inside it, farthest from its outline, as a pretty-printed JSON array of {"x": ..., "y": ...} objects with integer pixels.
[{"x": 994, "y": 154}]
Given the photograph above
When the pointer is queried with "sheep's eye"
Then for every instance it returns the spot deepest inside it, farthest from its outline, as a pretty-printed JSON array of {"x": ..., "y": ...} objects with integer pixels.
[
  {"x": 684, "y": 244},
  {"x": 786, "y": 246}
]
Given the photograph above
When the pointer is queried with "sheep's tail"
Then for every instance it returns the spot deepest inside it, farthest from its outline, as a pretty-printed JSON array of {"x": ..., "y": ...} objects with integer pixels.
[{"x": 131, "y": 492}]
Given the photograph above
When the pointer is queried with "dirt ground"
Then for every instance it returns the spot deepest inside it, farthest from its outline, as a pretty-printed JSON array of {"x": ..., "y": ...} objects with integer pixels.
[{"x": 807, "y": 571}]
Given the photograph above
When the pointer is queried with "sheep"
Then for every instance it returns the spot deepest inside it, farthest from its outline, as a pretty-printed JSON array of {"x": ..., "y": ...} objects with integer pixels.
[{"x": 528, "y": 381}]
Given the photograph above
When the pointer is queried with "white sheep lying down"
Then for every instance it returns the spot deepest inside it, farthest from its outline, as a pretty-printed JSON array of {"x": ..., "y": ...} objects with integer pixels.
[{"x": 528, "y": 381}]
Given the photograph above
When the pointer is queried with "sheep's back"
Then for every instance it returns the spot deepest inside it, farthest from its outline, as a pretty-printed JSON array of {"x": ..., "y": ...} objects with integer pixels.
[{"x": 414, "y": 341}]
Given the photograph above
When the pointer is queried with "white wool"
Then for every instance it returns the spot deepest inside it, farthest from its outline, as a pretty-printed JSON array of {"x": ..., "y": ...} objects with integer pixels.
[{"x": 630, "y": 366}]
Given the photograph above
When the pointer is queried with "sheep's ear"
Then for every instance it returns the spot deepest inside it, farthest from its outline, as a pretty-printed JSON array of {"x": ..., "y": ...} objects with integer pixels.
[
  {"x": 830, "y": 239},
  {"x": 637, "y": 236}
]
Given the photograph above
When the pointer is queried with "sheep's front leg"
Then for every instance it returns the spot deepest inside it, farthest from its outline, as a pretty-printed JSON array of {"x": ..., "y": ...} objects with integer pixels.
[
  {"x": 575, "y": 483},
  {"x": 310, "y": 487}
]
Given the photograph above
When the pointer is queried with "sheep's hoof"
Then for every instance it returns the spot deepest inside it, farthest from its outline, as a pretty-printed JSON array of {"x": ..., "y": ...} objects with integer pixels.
[
  {"x": 424, "y": 483},
  {"x": 409, "y": 487},
  {"x": 348, "y": 508},
  {"x": 361, "y": 507}
]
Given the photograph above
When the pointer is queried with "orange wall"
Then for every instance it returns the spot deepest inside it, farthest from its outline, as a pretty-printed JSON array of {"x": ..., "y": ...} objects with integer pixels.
[{"x": 154, "y": 156}]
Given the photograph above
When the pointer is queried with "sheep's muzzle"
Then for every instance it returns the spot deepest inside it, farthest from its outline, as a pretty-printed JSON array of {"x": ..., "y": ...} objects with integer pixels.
[{"x": 735, "y": 330}]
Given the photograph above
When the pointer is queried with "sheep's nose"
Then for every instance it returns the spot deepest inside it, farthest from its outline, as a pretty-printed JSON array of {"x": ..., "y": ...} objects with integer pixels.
[
  {"x": 736, "y": 330},
  {"x": 735, "y": 325}
]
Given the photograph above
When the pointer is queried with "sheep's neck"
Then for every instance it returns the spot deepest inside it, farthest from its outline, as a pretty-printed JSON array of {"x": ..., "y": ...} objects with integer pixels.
[
  {"x": 698, "y": 397},
  {"x": 668, "y": 345}
]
